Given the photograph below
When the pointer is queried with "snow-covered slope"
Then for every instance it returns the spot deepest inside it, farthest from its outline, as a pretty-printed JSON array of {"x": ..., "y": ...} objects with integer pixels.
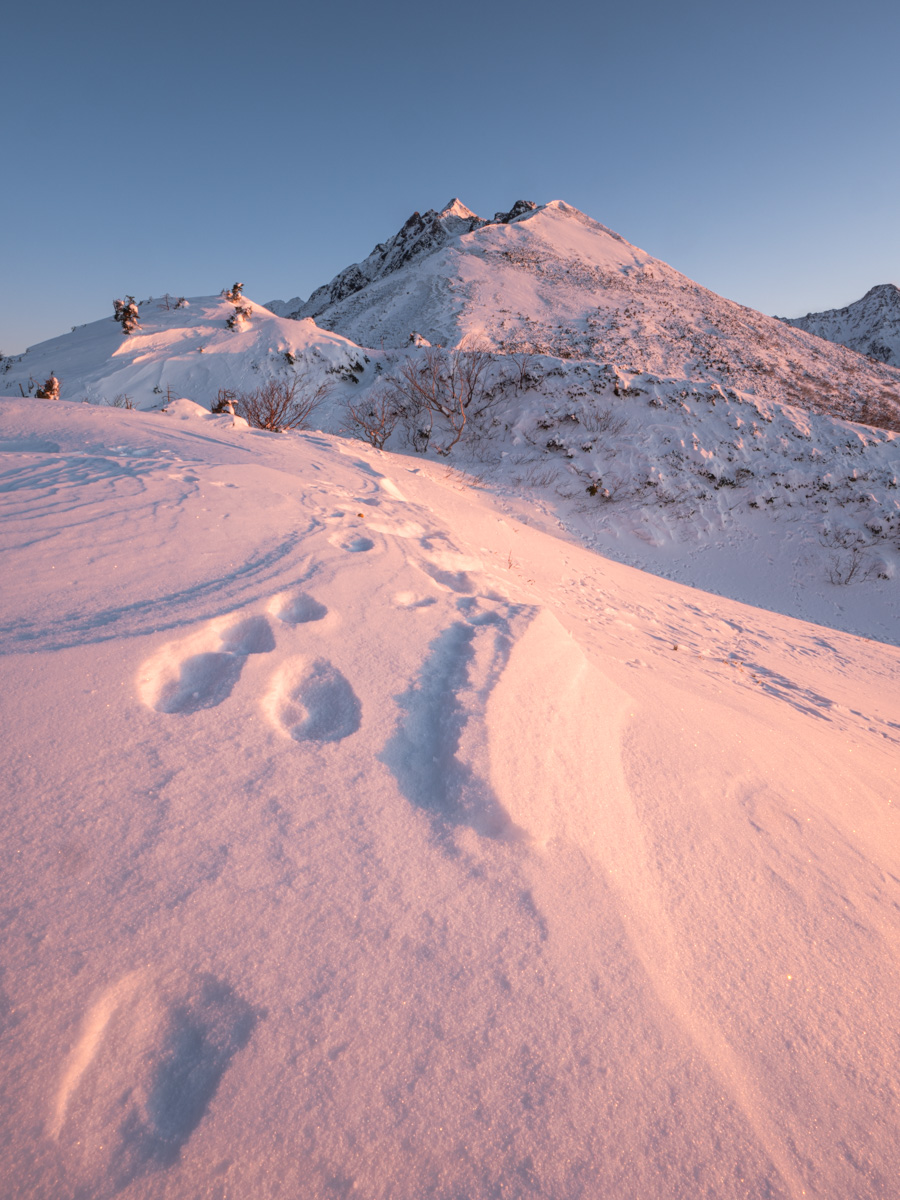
[
  {"x": 782, "y": 508},
  {"x": 556, "y": 281},
  {"x": 181, "y": 351},
  {"x": 712, "y": 485},
  {"x": 363, "y": 839},
  {"x": 870, "y": 325}
]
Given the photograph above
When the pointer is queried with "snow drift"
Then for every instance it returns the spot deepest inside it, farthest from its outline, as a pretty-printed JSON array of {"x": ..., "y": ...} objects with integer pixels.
[{"x": 368, "y": 839}]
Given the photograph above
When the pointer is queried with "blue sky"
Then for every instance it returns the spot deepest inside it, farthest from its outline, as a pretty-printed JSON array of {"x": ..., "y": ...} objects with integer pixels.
[{"x": 178, "y": 147}]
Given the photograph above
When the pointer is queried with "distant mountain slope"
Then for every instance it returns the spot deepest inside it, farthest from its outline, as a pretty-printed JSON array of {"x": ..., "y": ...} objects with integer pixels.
[
  {"x": 553, "y": 280},
  {"x": 870, "y": 325}
]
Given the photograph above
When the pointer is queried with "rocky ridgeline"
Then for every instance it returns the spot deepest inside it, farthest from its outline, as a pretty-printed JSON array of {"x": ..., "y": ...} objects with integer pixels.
[{"x": 422, "y": 234}]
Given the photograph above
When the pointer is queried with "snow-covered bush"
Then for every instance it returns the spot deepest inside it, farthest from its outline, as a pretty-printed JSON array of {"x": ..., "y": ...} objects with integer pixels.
[
  {"x": 279, "y": 405},
  {"x": 224, "y": 402},
  {"x": 50, "y": 390},
  {"x": 236, "y": 294},
  {"x": 242, "y": 313}
]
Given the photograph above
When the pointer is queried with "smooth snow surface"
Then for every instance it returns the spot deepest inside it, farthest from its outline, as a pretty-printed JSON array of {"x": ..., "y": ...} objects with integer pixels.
[{"x": 364, "y": 839}]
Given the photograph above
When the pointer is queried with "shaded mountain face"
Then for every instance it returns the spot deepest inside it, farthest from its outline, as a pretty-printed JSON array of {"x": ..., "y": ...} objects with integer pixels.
[
  {"x": 550, "y": 280},
  {"x": 870, "y": 325},
  {"x": 421, "y": 235}
]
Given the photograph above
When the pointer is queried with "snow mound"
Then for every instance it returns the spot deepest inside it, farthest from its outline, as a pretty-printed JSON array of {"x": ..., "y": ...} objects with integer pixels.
[{"x": 182, "y": 352}]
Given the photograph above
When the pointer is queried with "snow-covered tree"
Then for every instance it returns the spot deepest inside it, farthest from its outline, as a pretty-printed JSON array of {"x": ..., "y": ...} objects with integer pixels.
[
  {"x": 126, "y": 314},
  {"x": 236, "y": 294}
]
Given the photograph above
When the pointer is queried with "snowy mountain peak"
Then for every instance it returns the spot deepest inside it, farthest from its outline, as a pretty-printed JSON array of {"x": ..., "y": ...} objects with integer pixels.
[
  {"x": 456, "y": 208},
  {"x": 884, "y": 291},
  {"x": 870, "y": 325},
  {"x": 420, "y": 235},
  {"x": 551, "y": 280}
]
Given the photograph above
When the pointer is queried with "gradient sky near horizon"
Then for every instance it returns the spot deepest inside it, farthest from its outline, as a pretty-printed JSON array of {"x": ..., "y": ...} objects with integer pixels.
[{"x": 180, "y": 146}]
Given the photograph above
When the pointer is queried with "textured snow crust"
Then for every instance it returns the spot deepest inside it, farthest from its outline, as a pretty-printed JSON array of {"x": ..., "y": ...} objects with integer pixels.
[{"x": 364, "y": 838}]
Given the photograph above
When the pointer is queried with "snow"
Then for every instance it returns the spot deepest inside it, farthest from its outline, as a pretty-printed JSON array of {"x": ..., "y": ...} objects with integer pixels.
[
  {"x": 176, "y": 352},
  {"x": 370, "y": 833},
  {"x": 718, "y": 485},
  {"x": 870, "y": 325},
  {"x": 556, "y": 282}
]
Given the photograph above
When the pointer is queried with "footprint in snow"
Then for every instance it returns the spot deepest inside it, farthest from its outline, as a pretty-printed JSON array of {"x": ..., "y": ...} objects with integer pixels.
[
  {"x": 448, "y": 568},
  {"x": 138, "y": 1081},
  {"x": 413, "y": 600},
  {"x": 201, "y": 671},
  {"x": 297, "y": 608},
  {"x": 311, "y": 701},
  {"x": 251, "y": 636}
]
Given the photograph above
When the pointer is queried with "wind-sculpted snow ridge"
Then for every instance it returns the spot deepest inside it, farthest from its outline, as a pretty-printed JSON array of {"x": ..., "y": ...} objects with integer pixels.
[
  {"x": 429, "y": 853},
  {"x": 870, "y": 325}
]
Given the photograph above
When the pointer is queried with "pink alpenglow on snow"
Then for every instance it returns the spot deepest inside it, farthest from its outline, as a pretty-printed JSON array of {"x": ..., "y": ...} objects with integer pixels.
[{"x": 367, "y": 835}]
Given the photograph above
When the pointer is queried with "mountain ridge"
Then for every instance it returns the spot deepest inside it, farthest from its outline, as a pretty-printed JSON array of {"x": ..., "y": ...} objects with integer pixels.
[
  {"x": 549, "y": 279},
  {"x": 870, "y": 325},
  {"x": 421, "y": 234}
]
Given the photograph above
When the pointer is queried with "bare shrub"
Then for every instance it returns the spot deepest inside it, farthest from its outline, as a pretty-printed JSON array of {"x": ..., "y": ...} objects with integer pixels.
[
  {"x": 540, "y": 476},
  {"x": 522, "y": 362},
  {"x": 882, "y": 411},
  {"x": 842, "y": 568},
  {"x": 278, "y": 405},
  {"x": 848, "y": 560},
  {"x": 603, "y": 421},
  {"x": 442, "y": 385},
  {"x": 374, "y": 419},
  {"x": 463, "y": 480},
  {"x": 121, "y": 400}
]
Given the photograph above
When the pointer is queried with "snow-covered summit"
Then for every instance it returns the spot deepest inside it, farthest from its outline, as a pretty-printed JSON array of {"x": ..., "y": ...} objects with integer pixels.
[
  {"x": 870, "y": 325},
  {"x": 422, "y": 234},
  {"x": 552, "y": 280}
]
